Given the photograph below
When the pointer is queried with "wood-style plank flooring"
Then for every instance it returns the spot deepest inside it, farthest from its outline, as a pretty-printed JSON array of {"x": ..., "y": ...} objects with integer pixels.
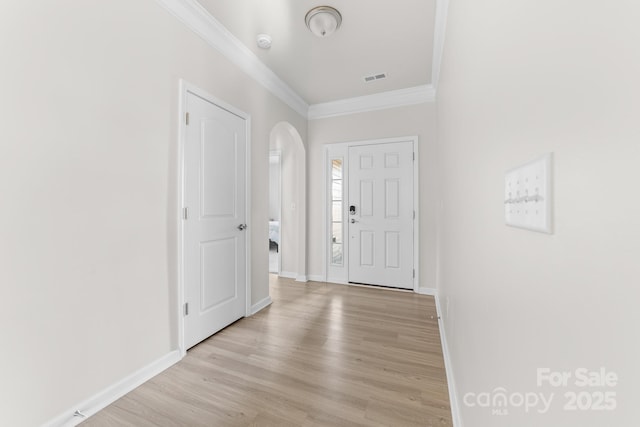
[{"x": 320, "y": 355}]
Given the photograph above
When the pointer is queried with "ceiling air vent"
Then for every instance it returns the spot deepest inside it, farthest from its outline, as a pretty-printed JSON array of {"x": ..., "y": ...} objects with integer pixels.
[{"x": 374, "y": 77}]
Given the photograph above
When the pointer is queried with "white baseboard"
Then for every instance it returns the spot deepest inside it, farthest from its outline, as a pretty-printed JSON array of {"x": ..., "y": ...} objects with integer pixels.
[
  {"x": 288, "y": 275},
  {"x": 296, "y": 276},
  {"x": 114, "y": 392},
  {"x": 317, "y": 278},
  {"x": 453, "y": 397},
  {"x": 260, "y": 305},
  {"x": 427, "y": 291}
]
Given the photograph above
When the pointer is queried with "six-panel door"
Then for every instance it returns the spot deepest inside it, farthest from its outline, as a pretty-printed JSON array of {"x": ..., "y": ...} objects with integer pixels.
[{"x": 381, "y": 230}]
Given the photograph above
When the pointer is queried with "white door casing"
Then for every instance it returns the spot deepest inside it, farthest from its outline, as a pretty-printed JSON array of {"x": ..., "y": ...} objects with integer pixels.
[
  {"x": 381, "y": 231},
  {"x": 214, "y": 249},
  {"x": 275, "y": 162}
]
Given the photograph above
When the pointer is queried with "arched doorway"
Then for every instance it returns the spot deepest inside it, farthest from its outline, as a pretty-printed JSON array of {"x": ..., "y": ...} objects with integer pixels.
[{"x": 285, "y": 141}]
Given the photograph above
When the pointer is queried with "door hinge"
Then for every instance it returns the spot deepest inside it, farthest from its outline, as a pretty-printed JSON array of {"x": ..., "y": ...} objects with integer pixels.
[
  {"x": 414, "y": 155},
  {"x": 186, "y": 308},
  {"x": 185, "y": 213},
  {"x": 187, "y": 119},
  {"x": 414, "y": 214},
  {"x": 414, "y": 273}
]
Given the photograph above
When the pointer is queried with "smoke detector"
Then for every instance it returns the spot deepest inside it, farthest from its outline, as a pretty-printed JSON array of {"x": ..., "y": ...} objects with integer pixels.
[{"x": 263, "y": 41}]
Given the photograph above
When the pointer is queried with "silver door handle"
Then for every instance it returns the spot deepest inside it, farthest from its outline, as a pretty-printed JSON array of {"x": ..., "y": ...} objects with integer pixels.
[
  {"x": 353, "y": 221},
  {"x": 242, "y": 227}
]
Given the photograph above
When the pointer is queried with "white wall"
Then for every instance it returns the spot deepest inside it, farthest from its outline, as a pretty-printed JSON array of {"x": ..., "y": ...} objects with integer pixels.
[
  {"x": 88, "y": 175},
  {"x": 406, "y": 121},
  {"x": 274, "y": 188},
  {"x": 520, "y": 79}
]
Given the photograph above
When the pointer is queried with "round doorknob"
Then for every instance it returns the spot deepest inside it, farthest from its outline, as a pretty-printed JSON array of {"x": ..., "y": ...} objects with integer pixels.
[
  {"x": 353, "y": 221},
  {"x": 242, "y": 227}
]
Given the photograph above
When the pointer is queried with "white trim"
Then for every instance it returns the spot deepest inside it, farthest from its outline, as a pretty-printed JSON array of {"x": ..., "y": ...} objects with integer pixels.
[
  {"x": 288, "y": 275},
  {"x": 453, "y": 397},
  {"x": 201, "y": 22},
  {"x": 337, "y": 281},
  {"x": 378, "y": 101},
  {"x": 416, "y": 213},
  {"x": 427, "y": 291},
  {"x": 114, "y": 392},
  {"x": 264, "y": 303},
  {"x": 182, "y": 134},
  {"x": 277, "y": 153},
  {"x": 316, "y": 278},
  {"x": 185, "y": 88},
  {"x": 439, "y": 33},
  {"x": 295, "y": 276},
  {"x": 326, "y": 214},
  {"x": 247, "y": 206}
]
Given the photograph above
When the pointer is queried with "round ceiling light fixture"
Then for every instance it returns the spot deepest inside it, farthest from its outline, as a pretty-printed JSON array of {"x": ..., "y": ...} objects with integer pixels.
[{"x": 323, "y": 20}]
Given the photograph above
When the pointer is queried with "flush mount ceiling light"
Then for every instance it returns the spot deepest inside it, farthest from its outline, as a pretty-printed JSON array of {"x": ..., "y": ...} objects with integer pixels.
[{"x": 323, "y": 20}]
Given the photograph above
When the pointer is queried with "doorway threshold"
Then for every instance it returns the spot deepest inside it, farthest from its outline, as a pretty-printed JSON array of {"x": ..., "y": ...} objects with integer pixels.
[{"x": 389, "y": 288}]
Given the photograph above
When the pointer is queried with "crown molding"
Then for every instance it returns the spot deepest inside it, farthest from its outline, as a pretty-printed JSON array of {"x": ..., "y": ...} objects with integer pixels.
[
  {"x": 201, "y": 22},
  {"x": 379, "y": 101}
]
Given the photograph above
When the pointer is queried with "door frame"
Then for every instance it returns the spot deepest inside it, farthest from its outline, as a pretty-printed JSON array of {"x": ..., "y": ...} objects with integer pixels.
[
  {"x": 278, "y": 153},
  {"x": 184, "y": 89},
  {"x": 343, "y": 148}
]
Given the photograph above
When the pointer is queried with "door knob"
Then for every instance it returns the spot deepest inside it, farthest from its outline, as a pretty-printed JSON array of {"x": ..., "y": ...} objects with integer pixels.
[
  {"x": 353, "y": 221},
  {"x": 242, "y": 227}
]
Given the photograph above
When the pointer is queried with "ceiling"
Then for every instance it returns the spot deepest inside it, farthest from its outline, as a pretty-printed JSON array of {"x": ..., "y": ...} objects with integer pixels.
[{"x": 376, "y": 36}]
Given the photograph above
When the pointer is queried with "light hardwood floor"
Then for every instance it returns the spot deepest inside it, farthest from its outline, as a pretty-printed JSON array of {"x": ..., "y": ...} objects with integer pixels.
[{"x": 320, "y": 355}]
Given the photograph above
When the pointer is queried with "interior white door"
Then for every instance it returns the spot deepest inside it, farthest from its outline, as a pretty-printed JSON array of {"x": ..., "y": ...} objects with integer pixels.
[
  {"x": 215, "y": 239},
  {"x": 380, "y": 217}
]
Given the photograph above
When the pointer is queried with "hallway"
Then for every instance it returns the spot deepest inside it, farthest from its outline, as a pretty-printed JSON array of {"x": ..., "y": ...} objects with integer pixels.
[{"x": 321, "y": 354}]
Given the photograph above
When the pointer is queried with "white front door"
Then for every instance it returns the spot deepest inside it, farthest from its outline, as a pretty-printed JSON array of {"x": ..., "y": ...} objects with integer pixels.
[
  {"x": 381, "y": 215},
  {"x": 215, "y": 239}
]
